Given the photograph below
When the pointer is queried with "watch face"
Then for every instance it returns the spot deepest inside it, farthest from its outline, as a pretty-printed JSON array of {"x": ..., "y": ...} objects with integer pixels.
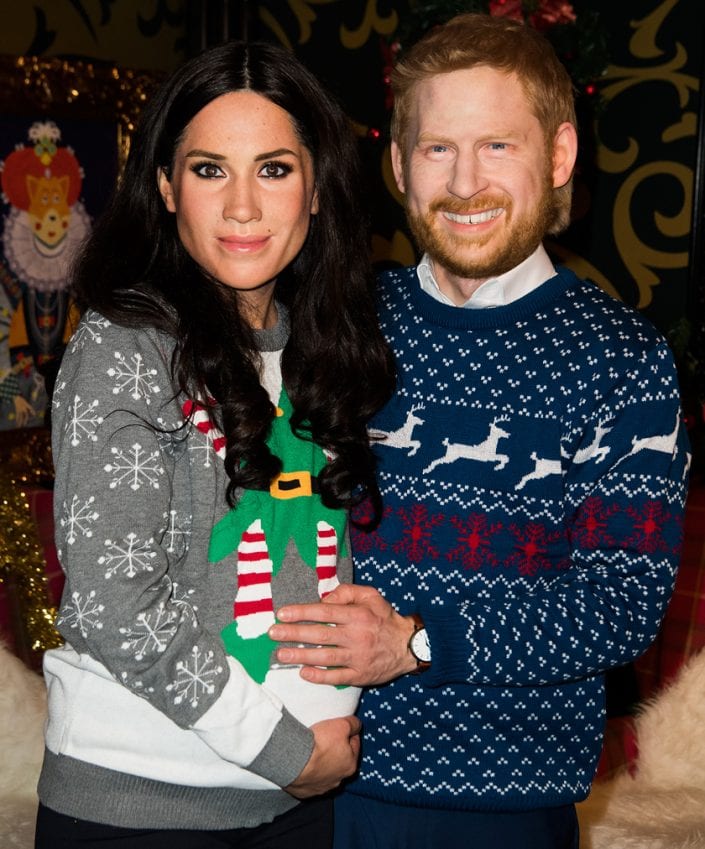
[{"x": 420, "y": 646}]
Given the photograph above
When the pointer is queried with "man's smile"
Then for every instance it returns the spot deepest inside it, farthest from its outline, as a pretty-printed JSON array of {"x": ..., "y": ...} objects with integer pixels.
[{"x": 475, "y": 217}]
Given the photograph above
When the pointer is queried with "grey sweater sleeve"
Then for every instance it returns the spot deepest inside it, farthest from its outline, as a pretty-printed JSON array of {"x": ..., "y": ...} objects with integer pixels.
[{"x": 116, "y": 435}]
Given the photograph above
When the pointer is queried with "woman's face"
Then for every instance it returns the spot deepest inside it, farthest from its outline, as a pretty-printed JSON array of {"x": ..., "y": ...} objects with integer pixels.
[{"x": 242, "y": 190}]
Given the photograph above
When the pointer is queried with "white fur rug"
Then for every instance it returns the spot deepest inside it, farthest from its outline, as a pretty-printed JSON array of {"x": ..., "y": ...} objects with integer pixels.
[
  {"x": 22, "y": 716},
  {"x": 663, "y": 805}
]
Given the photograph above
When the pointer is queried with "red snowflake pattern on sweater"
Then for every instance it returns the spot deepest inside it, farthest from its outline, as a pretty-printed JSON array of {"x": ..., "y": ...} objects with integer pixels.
[
  {"x": 474, "y": 535},
  {"x": 532, "y": 544},
  {"x": 415, "y": 540},
  {"x": 590, "y": 528},
  {"x": 649, "y": 521},
  {"x": 366, "y": 541}
]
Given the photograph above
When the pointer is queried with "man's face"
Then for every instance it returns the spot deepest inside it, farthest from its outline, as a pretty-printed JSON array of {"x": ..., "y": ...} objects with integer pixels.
[{"x": 478, "y": 175}]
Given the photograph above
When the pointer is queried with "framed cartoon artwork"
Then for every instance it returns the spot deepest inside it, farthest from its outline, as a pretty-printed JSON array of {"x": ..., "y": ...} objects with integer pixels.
[{"x": 64, "y": 136}]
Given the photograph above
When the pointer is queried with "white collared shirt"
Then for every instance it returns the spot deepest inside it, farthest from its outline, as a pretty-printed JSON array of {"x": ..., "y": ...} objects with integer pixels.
[{"x": 496, "y": 291}]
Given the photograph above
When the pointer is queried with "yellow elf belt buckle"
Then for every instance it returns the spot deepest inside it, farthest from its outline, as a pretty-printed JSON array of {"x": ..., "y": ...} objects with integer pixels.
[{"x": 291, "y": 485}]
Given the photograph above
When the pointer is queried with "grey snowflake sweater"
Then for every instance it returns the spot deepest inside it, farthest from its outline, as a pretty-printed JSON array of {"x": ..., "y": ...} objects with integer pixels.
[{"x": 166, "y": 709}]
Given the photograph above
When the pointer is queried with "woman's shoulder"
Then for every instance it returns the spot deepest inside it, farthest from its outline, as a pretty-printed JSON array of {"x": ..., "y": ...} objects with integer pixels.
[{"x": 95, "y": 335}]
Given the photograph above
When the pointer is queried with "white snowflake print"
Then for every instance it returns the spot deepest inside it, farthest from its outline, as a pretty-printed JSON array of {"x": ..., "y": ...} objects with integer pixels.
[
  {"x": 194, "y": 677},
  {"x": 56, "y": 397},
  {"x": 137, "y": 466},
  {"x": 165, "y": 439},
  {"x": 204, "y": 447},
  {"x": 82, "y": 613},
  {"x": 91, "y": 328},
  {"x": 151, "y": 633},
  {"x": 183, "y": 598},
  {"x": 133, "y": 376},
  {"x": 137, "y": 686},
  {"x": 175, "y": 537},
  {"x": 130, "y": 557},
  {"x": 78, "y": 517},
  {"x": 83, "y": 421}
]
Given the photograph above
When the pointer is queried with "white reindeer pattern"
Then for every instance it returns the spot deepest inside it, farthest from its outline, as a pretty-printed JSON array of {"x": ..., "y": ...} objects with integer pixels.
[
  {"x": 483, "y": 452},
  {"x": 593, "y": 450},
  {"x": 401, "y": 438},
  {"x": 542, "y": 469},
  {"x": 665, "y": 443}
]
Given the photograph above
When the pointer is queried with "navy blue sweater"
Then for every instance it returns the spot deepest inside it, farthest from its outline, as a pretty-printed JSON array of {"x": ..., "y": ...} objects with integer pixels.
[{"x": 533, "y": 467}]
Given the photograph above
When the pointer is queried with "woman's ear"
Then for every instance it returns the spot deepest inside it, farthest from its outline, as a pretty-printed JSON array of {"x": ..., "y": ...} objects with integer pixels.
[
  {"x": 314, "y": 202},
  {"x": 165, "y": 190}
]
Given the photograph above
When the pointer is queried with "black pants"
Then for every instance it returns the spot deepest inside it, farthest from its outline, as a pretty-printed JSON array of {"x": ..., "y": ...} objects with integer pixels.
[
  {"x": 362, "y": 823},
  {"x": 309, "y": 825}
]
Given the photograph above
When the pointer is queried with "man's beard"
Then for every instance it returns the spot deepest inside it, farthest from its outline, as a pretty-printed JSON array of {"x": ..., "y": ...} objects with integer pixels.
[{"x": 522, "y": 236}]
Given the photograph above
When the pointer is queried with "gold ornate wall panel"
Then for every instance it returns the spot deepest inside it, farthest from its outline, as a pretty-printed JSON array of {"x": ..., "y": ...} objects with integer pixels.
[
  {"x": 145, "y": 34},
  {"x": 635, "y": 222}
]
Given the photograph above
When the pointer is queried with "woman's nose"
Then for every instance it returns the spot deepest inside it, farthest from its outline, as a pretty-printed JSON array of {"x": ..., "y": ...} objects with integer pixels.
[{"x": 241, "y": 201}]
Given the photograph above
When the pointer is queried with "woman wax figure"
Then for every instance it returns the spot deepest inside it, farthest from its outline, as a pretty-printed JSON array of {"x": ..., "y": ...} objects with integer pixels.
[{"x": 209, "y": 437}]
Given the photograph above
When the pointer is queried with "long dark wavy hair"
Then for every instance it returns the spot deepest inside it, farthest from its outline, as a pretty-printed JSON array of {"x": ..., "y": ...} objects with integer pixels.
[{"x": 336, "y": 366}]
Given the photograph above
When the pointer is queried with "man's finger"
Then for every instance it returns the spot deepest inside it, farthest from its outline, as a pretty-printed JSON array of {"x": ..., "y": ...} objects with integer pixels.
[
  {"x": 314, "y": 635},
  {"x": 348, "y": 594},
  {"x": 309, "y": 657},
  {"x": 334, "y": 614},
  {"x": 336, "y": 677},
  {"x": 305, "y": 613}
]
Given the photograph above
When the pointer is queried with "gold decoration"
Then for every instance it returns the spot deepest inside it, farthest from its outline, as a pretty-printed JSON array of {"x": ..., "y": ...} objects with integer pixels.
[
  {"x": 87, "y": 90},
  {"x": 305, "y": 17},
  {"x": 372, "y": 22},
  {"x": 25, "y": 463},
  {"x": 641, "y": 258},
  {"x": 640, "y": 255},
  {"x": 581, "y": 266}
]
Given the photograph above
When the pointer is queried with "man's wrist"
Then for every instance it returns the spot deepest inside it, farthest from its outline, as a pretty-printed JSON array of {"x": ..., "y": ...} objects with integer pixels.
[{"x": 418, "y": 646}]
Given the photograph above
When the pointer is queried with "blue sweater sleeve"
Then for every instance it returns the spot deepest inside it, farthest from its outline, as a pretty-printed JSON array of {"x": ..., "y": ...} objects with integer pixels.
[{"x": 624, "y": 480}]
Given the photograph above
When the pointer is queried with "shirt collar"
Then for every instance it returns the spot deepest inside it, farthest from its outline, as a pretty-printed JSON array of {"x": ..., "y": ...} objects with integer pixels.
[{"x": 497, "y": 291}]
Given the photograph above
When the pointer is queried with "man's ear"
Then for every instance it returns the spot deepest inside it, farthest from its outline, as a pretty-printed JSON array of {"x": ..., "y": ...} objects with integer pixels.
[
  {"x": 565, "y": 152},
  {"x": 165, "y": 190},
  {"x": 397, "y": 166}
]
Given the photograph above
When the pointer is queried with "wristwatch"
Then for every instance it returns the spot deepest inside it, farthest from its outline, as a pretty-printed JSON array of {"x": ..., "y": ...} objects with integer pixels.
[{"x": 419, "y": 645}]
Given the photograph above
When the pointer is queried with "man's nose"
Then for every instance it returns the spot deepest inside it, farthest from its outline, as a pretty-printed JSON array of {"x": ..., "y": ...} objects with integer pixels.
[{"x": 467, "y": 177}]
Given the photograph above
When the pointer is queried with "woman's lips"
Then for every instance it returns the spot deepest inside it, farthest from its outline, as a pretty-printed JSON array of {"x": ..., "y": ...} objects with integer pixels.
[{"x": 244, "y": 244}]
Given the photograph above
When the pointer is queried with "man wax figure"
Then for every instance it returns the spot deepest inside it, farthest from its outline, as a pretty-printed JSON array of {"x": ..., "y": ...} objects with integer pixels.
[{"x": 533, "y": 465}]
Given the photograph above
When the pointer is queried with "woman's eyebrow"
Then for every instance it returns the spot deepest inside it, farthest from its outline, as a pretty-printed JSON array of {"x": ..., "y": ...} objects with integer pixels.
[
  {"x": 205, "y": 154},
  {"x": 282, "y": 151}
]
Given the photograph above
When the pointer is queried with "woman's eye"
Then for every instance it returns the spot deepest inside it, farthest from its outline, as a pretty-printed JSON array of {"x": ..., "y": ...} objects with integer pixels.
[
  {"x": 208, "y": 170},
  {"x": 275, "y": 170}
]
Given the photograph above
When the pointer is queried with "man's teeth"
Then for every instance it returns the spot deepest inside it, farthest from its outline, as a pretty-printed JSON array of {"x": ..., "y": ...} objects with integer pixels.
[{"x": 475, "y": 218}]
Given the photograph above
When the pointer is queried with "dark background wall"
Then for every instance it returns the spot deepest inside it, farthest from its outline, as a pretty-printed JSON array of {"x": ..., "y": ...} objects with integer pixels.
[{"x": 638, "y": 210}]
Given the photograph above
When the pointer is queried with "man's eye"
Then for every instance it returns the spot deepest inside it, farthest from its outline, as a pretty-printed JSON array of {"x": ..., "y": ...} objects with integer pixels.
[
  {"x": 275, "y": 170},
  {"x": 438, "y": 148},
  {"x": 497, "y": 146}
]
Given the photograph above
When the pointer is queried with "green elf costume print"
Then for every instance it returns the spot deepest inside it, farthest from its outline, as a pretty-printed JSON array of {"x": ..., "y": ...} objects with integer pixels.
[{"x": 289, "y": 549}]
